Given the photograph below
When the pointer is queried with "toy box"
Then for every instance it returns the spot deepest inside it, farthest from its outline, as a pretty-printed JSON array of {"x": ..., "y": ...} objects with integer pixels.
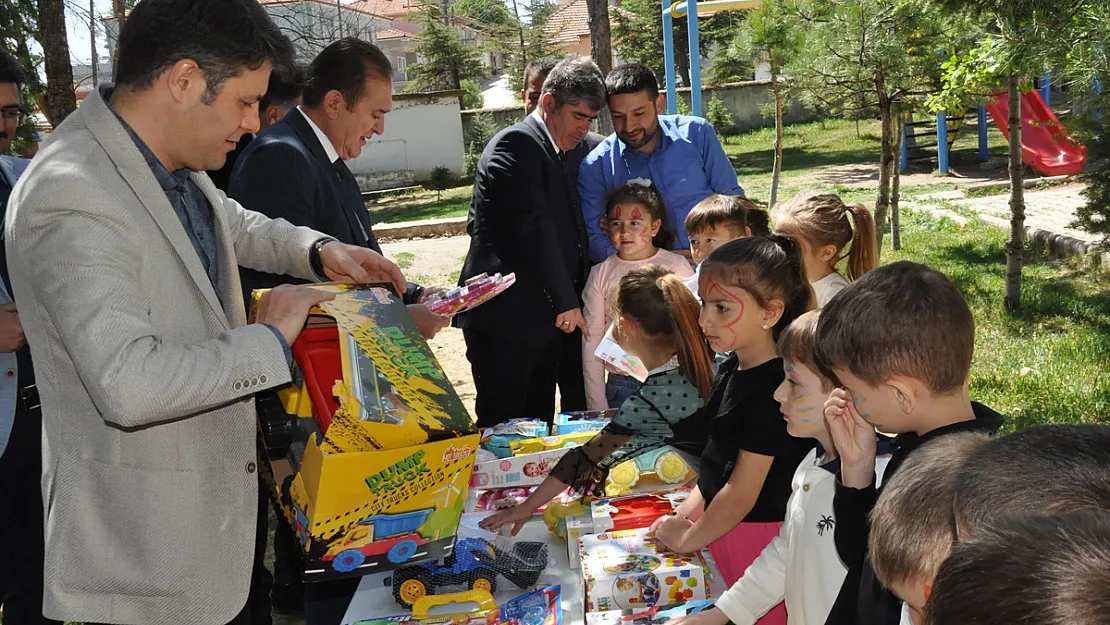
[
  {"x": 539, "y": 607},
  {"x": 547, "y": 443},
  {"x": 476, "y": 291},
  {"x": 584, "y": 421},
  {"x": 577, "y": 527},
  {"x": 651, "y": 616},
  {"x": 499, "y": 438},
  {"x": 664, "y": 465},
  {"x": 634, "y": 511},
  {"x": 487, "y": 613},
  {"x": 382, "y": 451},
  {"x": 622, "y": 571},
  {"x": 522, "y": 470}
]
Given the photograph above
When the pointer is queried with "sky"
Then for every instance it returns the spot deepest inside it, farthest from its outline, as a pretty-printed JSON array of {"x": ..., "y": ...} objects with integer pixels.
[{"x": 77, "y": 24}]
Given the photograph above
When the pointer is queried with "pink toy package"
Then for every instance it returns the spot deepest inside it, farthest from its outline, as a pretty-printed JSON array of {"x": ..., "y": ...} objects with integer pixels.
[{"x": 476, "y": 291}]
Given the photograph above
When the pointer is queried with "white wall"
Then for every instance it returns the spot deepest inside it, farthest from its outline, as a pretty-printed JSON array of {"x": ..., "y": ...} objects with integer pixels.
[{"x": 421, "y": 132}]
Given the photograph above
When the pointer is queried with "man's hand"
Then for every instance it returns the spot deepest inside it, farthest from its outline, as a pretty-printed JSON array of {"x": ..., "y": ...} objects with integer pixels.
[
  {"x": 854, "y": 439},
  {"x": 572, "y": 319},
  {"x": 431, "y": 291},
  {"x": 11, "y": 330},
  {"x": 286, "y": 308},
  {"x": 428, "y": 322},
  {"x": 358, "y": 265}
]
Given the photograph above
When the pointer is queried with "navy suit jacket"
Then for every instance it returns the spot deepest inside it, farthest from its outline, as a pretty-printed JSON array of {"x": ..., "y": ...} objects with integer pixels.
[{"x": 285, "y": 173}]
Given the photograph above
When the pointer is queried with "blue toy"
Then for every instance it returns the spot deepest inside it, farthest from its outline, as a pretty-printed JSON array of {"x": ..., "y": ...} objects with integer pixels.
[{"x": 475, "y": 563}]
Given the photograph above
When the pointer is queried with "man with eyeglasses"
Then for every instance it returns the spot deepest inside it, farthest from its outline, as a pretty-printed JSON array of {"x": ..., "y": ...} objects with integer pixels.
[{"x": 21, "y": 560}]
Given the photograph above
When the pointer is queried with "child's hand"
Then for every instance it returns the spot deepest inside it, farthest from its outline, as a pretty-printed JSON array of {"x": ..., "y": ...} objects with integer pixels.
[
  {"x": 671, "y": 533},
  {"x": 854, "y": 439},
  {"x": 517, "y": 515},
  {"x": 712, "y": 616}
]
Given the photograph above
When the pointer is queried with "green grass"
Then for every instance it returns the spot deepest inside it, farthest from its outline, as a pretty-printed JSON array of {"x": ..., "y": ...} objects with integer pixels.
[
  {"x": 1046, "y": 364},
  {"x": 404, "y": 259},
  {"x": 421, "y": 205}
]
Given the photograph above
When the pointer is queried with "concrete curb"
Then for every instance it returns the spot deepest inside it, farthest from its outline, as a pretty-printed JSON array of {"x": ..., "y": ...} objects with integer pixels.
[
  {"x": 430, "y": 228},
  {"x": 1058, "y": 244}
]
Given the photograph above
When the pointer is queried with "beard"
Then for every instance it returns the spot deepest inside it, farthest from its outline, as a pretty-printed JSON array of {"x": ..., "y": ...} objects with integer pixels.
[{"x": 649, "y": 133}]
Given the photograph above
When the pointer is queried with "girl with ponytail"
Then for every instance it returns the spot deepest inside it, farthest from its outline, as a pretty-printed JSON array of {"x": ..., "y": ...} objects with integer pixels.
[
  {"x": 655, "y": 319},
  {"x": 825, "y": 226},
  {"x": 751, "y": 290}
]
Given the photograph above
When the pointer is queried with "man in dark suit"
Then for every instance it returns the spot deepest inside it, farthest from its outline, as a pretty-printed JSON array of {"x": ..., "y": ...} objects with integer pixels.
[
  {"x": 282, "y": 94},
  {"x": 525, "y": 218},
  {"x": 21, "y": 559},
  {"x": 296, "y": 170}
]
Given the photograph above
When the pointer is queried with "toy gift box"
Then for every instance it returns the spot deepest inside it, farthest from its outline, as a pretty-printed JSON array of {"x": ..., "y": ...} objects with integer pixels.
[
  {"x": 622, "y": 571},
  {"x": 375, "y": 471},
  {"x": 634, "y": 511}
]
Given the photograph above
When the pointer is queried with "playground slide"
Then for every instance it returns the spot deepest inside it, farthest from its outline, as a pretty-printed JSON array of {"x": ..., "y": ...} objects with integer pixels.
[{"x": 1045, "y": 144}]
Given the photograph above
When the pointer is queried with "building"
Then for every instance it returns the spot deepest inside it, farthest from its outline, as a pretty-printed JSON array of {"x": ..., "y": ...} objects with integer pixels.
[{"x": 569, "y": 28}]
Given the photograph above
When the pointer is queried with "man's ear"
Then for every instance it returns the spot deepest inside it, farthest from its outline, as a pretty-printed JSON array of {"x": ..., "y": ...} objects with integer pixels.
[
  {"x": 547, "y": 101},
  {"x": 660, "y": 104},
  {"x": 906, "y": 392},
  {"x": 185, "y": 81}
]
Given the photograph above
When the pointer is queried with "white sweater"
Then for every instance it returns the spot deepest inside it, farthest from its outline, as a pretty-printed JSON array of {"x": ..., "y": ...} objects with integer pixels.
[{"x": 799, "y": 565}]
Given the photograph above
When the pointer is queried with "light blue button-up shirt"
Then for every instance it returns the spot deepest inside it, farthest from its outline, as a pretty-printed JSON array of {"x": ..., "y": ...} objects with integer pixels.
[{"x": 687, "y": 165}]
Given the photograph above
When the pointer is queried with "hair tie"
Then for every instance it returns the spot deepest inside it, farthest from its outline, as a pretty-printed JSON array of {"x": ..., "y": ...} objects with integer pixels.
[
  {"x": 659, "y": 282},
  {"x": 643, "y": 182}
]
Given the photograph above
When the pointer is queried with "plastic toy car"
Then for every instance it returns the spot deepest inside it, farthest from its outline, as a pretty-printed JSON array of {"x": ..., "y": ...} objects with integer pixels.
[
  {"x": 475, "y": 563},
  {"x": 396, "y": 539},
  {"x": 665, "y": 463}
]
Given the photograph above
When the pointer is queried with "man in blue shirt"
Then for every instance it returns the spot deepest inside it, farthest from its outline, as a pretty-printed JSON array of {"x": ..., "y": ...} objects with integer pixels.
[{"x": 680, "y": 154}]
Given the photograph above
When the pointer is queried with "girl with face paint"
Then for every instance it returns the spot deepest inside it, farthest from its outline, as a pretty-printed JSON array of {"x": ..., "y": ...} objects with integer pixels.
[{"x": 636, "y": 221}]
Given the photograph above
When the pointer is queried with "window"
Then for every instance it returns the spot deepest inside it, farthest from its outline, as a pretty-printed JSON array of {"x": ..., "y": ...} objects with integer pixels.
[{"x": 400, "y": 69}]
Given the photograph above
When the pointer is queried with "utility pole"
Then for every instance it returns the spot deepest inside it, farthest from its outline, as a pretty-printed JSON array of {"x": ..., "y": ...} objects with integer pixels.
[
  {"x": 520, "y": 31},
  {"x": 92, "y": 41}
]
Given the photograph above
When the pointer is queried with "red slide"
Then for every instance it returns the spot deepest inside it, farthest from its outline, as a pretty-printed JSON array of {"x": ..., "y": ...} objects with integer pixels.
[{"x": 1045, "y": 144}]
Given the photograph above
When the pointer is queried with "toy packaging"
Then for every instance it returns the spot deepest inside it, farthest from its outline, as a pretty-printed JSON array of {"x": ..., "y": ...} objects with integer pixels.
[
  {"x": 487, "y": 613},
  {"x": 652, "y": 616},
  {"x": 584, "y": 421},
  {"x": 577, "y": 527},
  {"x": 664, "y": 465},
  {"x": 612, "y": 354},
  {"x": 476, "y": 291},
  {"x": 499, "y": 438},
  {"x": 382, "y": 448},
  {"x": 533, "y": 445},
  {"x": 634, "y": 511},
  {"x": 539, "y": 607},
  {"x": 622, "y": 571},
  {"x": 517, "y": 471}
]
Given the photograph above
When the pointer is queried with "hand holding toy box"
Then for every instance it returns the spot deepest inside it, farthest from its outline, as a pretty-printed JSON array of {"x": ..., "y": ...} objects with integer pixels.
[
  {"x": 623, "y": 571},
  {"x": 634, "y": 511},
  {"x": 475, "y": 292},
  {"x": 614, "y": 356}
]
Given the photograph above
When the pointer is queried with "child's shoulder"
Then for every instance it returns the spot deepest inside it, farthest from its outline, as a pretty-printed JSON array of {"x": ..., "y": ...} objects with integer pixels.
[{"x": 675, "y": 262}]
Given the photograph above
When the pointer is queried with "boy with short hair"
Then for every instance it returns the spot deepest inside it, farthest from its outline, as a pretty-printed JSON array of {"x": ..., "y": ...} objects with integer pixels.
[
  {"x": 712, "y": 222},
  {"x": 912, "y": 531},
  {"x": 899, "y": 341},
  {"x": 1039, "y": 470},
  {"x": 1048, "y": 570}
]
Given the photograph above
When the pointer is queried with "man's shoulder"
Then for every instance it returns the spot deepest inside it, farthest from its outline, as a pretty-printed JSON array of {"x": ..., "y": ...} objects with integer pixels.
[
  {"x": 601, "y": 151},
  {"x": 685, "y": 125},
  {"x": 518, "y": 138},
  {"x": 15, "y": 164},
  {"x": 279, "y": 142}
]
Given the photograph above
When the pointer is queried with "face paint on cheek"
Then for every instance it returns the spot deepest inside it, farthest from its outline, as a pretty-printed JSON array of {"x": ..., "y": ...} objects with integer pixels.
[{"x": 715, "y": 286}]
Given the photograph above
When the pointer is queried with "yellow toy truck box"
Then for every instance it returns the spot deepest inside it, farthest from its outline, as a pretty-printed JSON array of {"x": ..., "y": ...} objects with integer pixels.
[{"x": 372, "y": 460}]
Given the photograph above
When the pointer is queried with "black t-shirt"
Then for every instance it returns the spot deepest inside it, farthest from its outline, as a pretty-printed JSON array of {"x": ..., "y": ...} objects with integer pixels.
[{"x": 745, "y": 416}]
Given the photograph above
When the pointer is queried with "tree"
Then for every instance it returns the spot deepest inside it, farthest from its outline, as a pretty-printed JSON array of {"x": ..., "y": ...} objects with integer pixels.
[
  {"x": 60, "y": 98},
  {"x": 439, "y": 178},
  {"x": 639, "y": 31},
  {"x": 473, "y": 99},
  {"x": 862, "y": 55},
  {"x": 486, "y": 12},
  {"x": 601, "y": 48},
  {"x": 311, "y": 26},
  {"x": 535, "y": 42},
  {"x": 447, "y": 61}
]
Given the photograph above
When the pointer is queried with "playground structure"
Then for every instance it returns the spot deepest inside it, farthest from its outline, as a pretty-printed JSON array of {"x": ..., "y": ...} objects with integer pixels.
[{"x": 1046, "y": 145}]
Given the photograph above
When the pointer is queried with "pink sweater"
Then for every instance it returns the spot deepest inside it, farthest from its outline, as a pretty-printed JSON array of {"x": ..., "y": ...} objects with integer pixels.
[{"x": 603, "y": 279}]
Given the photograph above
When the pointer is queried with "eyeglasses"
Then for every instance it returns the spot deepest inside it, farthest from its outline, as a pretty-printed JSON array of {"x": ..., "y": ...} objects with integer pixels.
[{"x": 13, "y": 113}]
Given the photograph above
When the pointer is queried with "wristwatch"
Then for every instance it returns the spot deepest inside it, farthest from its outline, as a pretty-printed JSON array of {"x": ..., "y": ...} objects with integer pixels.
[{"x": 314, "y": 258}]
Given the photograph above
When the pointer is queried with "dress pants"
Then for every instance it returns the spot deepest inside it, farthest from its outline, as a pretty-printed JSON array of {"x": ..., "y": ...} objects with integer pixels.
[
  {"x": 572, "y": 387},
  {"x": 21, "y": 557},
  {"x": 513, "y": 379}
]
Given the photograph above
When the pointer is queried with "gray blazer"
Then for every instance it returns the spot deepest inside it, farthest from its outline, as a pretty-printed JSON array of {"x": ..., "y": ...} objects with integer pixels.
[
  {"x": 147, "y": 377},
  {"x": 11, "y": 168}
]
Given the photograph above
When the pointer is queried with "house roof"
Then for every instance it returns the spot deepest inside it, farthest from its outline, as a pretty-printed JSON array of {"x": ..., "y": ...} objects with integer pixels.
[
  {"x": 388, "y": 8},
  {"x": 392, "y": 33},
  {"x": 353, "y": 6},
  {"x": 571, "y": 22}
]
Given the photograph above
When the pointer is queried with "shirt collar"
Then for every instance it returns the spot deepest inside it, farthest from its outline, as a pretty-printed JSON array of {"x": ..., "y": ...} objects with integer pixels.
[
  {"x": 543, "y": 124},
  {"x": 329, "y": 149},
  {"x": 174, "y": 181}
]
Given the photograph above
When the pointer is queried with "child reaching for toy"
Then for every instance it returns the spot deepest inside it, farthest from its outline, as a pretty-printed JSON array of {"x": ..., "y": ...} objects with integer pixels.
[
  {"x": 656, "y": 320},
  {"x": 751, "y": 288},
  {"x": 820, "y": 222},
  {"x": 636, "y": 219}
]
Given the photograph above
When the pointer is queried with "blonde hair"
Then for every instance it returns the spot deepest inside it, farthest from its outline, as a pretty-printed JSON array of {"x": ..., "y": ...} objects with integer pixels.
[
  {"x": 797, "y": 343},
  {"x": 822, "y": 219}
]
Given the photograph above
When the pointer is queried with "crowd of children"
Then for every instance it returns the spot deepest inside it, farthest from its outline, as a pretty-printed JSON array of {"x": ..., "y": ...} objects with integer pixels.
[{"x": 844, "y": 474}]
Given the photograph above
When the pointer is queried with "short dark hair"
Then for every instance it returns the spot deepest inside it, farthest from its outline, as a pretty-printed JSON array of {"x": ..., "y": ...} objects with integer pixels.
[
  {"x": 224, "y": 37},
  {"x": 540, "y": 67},
  {"x": 1042, "y": 469},
  {"x": 284, "y": 88},
  {"x": 899, "y": 319},
  {"x": 719, "y": 210},
  {"x": 652, "y": 200},
  {"x": 769, "y": 268},
  {"x": 631, "y": 78},
  {"x": 912, "y": 531},
  {"x": 1049, "y": 570},
  {"x": 796, "y": 344},
  {"x": 10, "y": 70},
  {"x": 344, "y": 66},
  {"x": 759, "y": 221},
  {"x": 576, "y": 80}
]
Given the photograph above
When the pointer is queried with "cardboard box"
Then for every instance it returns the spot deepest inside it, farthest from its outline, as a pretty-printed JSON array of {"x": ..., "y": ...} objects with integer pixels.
[
  {"x": 548, "y": 443},
  {"x": 577, "y": 527},
  {"x": 622, "y": 571},
  {"x": 523, "y": 470},
  {"x": 385, "y": 483},
  {"x": 652, "y": 616},
  {"x": 583, "y": 421},
  {"x": 634, "y": 511}
]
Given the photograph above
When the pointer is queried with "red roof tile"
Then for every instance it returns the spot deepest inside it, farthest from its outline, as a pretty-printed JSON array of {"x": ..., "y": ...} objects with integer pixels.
[
  {"x": 392, "y": 33},
  {"x": 572, "y": 22}
]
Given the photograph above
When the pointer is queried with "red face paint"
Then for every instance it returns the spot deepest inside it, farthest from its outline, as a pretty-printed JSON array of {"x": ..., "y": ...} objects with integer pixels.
[
  {"x": 636, "y": 213},
  {"x": 718, "y": 288},
  {"x": 617, "y": 212}
]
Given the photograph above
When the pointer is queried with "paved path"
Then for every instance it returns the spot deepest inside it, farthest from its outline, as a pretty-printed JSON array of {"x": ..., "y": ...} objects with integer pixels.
[{"x": 1051, "y": 210}]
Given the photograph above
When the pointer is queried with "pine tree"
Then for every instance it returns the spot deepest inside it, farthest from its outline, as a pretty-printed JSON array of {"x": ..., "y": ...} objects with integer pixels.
[{"x": 447, "y": 61}]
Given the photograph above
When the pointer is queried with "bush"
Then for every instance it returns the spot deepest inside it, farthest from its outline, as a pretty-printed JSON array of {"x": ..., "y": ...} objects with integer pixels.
[
  {"x": 683, "y": 105},
  {"x": 470, "y": 159},
  {"x": 473, "y": 98},
  {"x": 1094, "y": 131},
  {"x": 439, "y": 179},
  {"x": 719, "y": 115}
]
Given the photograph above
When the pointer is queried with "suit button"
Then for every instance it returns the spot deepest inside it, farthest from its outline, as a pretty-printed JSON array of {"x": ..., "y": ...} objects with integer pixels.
[
  {"x": 251, "y": 467},
  {"x": 237, "y": 386},
  {"x": 254, "y": 381},
  {"x": 262, "y": 379},
  {"x": 805, "y": 487},
  {"x": 10, "y": 373}
]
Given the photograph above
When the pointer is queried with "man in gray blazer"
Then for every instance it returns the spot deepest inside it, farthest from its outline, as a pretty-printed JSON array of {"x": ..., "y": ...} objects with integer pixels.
[{"x": 124, "y": 256}]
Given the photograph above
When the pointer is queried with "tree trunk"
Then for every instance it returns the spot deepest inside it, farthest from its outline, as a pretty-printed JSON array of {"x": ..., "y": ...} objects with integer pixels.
[
  {"x": 682, "y": 53},
  {"x": 776, "y": 172},
  {"x": 1015, "y": 246},
  {"x": 601, "y": 48},
  {"x": 896, "y": 183},
  {"x": 886, "y": 155},
  {"x": 55, "y": 48}
]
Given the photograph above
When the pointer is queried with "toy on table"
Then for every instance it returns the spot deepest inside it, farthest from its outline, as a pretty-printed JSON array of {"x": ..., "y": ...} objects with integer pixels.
[
  {"x": 499, "y": 438},
  {"x": 623, "y": 571},
  {"x": 501, "y": 498},
  {"x": 634, "y": 511},
  {"x": 520, "y": 470},
  {"x": 547, "y": 443},
  {"x": 651, "y": 616},
  {"x": 475, "y": 563},
  {"x": 615, "y": 357},
  {"x": 487, "y": 613},
  {"x": 539, "y": 607},
  {"x": 582, "y": 421},
  {"x": 665, "y": 464},
  {"x": 474, "y": 292}
]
